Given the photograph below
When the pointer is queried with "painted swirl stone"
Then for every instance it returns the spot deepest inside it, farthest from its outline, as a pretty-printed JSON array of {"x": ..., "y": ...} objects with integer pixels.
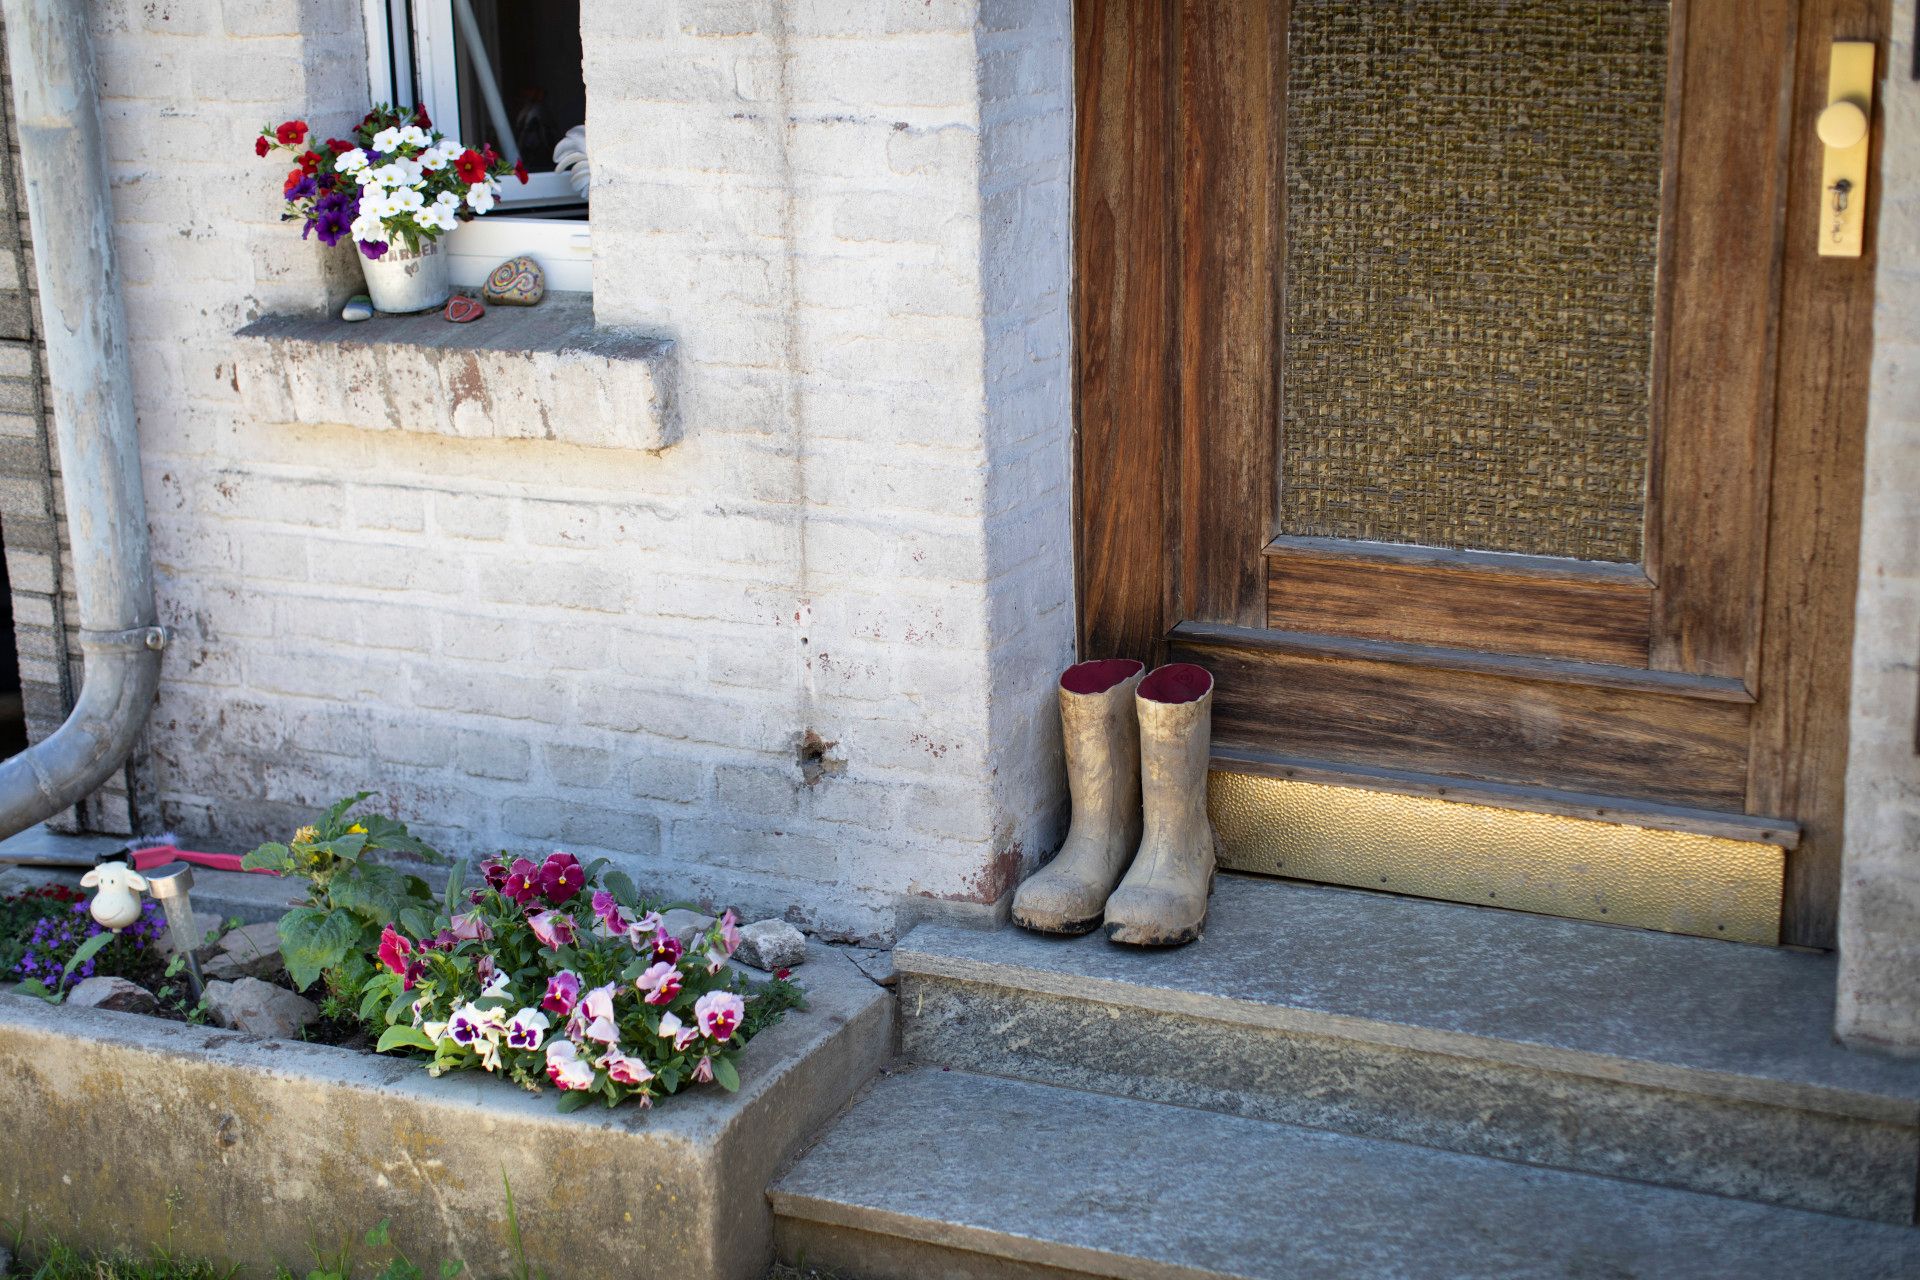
[{"x": 517, "y": 282}]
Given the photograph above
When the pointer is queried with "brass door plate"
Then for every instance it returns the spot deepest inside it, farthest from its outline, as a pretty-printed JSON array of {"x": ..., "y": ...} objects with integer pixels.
[{"x": 1845, "y": 128}]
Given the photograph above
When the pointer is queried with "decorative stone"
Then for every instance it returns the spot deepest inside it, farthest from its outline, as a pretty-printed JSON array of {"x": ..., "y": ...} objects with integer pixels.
[
  {"x": 772, "y": 945},
  {"x": 112, "y": 993},
  {"x": 359, "y": 307},
  {"x": 462, "y": 309},
  {"x": 685, "y": 925},
  {"x": 260, "y": 1008},
  {"x": 252, "y": 951},
  {"x": 517, "y": 282}
]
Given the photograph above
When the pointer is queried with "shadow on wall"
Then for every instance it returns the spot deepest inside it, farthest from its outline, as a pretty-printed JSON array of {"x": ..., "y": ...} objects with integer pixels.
[{"x": 13, "y": 714}]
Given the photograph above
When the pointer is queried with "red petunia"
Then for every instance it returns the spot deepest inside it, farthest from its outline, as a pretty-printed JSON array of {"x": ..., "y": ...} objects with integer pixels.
[
  {"x": 261, "y": 146},
  {"x": 420, "y": 116},
  {"x": 309, "y": 162},
  {"x": 339, "y": 146},
  {"x": 520, "y": 170},
  {"x": 291, "y": 132},
  {"x": 293, "y": 178},
  {"x": 471, "y": 166}
]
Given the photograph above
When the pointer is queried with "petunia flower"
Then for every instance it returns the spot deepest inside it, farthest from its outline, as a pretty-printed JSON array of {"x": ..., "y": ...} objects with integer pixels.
[
  {"x": 291, "y": 132},
  {"x": 520, "y": 171},
  {"x": 623, "y": 1069},
  {"x": 523, "y": 881},
  {"x": 563, "y": 992},
  {"x": 719, "y": 1013},
  {"x": 261, "y": 146},
  {"x": 561, "y": 877},
  {"x": 565, "y": 1066},
  {"x": 553, "y": 928},
  {"x": 527, "y": 1029},
  {"x": 471, "y": 166},
  {"x": 659, "y": 984}
]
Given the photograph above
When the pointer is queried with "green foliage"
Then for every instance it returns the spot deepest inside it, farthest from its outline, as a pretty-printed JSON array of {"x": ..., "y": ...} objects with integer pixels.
[
  {"x": 63, "y": 1262},
  {"x": 349, "y": 899}
]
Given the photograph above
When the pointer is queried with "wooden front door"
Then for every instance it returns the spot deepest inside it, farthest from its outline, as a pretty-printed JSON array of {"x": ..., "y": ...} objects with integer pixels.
[{"x": 1461, "y": 384}]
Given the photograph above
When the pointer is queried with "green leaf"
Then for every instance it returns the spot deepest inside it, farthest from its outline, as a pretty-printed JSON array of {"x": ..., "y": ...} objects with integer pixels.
[
  {"x": 575, "y": 1099},
  {"x": 377, "y": 1238},
  {"x": 417, "y": 921},
  {"x": 312, "y": 940},
  {"x": 724, "y": 1074},
  {"x": 347, "y": 848},
  {"x": 330, "y": 825},
  {"x": 401, "y": 1035},
  {"x": 370, "y": 1001},
  {"x": 371, "y": 892},
  {"x": 269, "y": 857},
  {"x": 85, "y": 952},
  {"x": 451, "y": 1268},
  {"x": 387, "y": 833},
  {"x": 669, "y": 1079},
  {"x": 35, "y": 987},
  {"x": 456, "y": 882},
  {"x": 622, "y": 889}
]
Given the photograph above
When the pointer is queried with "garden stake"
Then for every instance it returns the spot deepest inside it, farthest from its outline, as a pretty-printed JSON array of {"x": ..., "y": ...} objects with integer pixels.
[{"x": 169, "y": 885}]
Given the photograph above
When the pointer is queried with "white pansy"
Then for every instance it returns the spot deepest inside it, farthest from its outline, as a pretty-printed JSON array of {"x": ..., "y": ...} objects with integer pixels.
[
  {"x": 351, "y": 161},
  {"x": 480, "y": 197}
]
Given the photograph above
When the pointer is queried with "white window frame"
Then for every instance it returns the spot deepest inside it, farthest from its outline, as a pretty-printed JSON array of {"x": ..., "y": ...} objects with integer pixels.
[{"x": 563, "y": 248}]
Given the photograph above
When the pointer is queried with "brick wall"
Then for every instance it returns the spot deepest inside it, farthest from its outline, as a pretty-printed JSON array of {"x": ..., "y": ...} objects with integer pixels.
[
  {"x": 1879, "y": 1003},
  {"x": 801, "y": 661}
]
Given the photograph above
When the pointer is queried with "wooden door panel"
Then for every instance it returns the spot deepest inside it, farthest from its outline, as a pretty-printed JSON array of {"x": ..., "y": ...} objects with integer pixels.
[
  {"x": 1514, "y": 722},
  {"x": 1529, "y": 605}
]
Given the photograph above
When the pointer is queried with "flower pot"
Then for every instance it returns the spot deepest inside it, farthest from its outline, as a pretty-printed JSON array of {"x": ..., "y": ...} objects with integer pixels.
[{"x": 403, "y": 280}]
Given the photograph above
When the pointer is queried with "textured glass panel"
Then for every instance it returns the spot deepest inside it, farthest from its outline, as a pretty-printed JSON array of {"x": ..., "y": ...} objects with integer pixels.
[{"x": 1472, "y": 204}]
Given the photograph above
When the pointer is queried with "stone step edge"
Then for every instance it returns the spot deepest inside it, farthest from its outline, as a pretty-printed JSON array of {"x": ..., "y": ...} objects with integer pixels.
[
  {"x": 912, "y": 962},
  {"x": 987, "y": 1242}
]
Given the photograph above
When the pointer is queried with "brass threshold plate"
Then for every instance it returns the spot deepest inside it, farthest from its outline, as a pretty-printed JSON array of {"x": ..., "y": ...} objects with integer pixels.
[{"x": 1709, "y": 886}]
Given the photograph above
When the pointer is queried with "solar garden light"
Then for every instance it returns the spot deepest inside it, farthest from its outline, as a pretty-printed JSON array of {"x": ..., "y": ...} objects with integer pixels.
[{"x": 169, "y": 885}]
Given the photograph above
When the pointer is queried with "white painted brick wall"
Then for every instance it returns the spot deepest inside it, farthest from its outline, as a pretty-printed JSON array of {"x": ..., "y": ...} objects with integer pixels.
[
  {"x": 1879, "y": 997},
  {"x": 852, "y": 219}
]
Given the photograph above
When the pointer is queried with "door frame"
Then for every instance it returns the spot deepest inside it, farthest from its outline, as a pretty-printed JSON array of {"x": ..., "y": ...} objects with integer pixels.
[{"x": 1737, "y": 712}]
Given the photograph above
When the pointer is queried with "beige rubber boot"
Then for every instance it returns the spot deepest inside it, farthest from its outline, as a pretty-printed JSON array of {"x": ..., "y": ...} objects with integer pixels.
[
  {"x": 1162, "y": 902},
  {"x": 1103, "y": 776}
]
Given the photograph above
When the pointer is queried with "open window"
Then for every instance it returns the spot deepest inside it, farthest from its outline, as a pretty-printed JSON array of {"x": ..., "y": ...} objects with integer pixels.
[{"x": 506, "y": 72}]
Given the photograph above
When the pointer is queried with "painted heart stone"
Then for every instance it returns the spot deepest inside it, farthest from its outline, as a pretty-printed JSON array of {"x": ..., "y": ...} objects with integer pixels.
[
  {"x": 359, "y": 307},
  {"x": 461, "y": 309},
  {"x": 517, "y": 282}
]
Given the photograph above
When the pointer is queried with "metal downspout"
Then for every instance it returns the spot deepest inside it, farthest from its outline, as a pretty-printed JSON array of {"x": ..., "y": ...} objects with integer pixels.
[{"x": 57, "y": 107}]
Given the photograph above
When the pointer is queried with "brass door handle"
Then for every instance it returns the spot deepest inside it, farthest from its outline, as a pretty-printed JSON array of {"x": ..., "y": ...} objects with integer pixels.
[{"x": 1844, "y": 129}]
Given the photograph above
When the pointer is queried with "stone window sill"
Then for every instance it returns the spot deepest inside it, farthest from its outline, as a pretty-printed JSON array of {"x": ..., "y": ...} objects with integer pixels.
[{"x": 517, "y": 373}]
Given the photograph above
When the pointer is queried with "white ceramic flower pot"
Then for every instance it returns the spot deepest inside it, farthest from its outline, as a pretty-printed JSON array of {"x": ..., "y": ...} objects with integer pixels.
[{"x": 400, "y": 281}]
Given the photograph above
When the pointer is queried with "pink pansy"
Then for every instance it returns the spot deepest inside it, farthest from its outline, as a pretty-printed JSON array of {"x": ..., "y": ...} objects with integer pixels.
[
  {"x": 659, "y": 984},
  {"x": 565, "y": 1066},
  {"x": 703, "y": 1070},
  {"x": 394, "y": 950},
  {"x": 666, "y": 947},
  {"x": 563, "y": 992},
  {"x": 625, "y": 1070},
  {"x": 523, "y": 881},
  {"x": 719, "y": 1013},
  {"x": 605, "y": 1030},
  {"x": 553, "y": 928},
  {"x": 730, "y": 931},
  {"x": 598, "y": 1002},
  {"x": 469, "y": 927},
  {"x": 679, "y": 1032},
  {"x": 485, "y": 969},
  {"x": 608, "y": 922},
  {"x": 527, "y": 1029}
]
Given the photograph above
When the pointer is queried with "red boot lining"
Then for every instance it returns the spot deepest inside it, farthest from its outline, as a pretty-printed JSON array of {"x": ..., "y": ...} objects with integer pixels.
[
  {"x": 1176, "y": 682},
  {"x": 1099, "y": 675}
]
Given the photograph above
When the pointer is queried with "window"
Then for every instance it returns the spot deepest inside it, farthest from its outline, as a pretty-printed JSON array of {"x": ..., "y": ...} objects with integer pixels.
[{"x": 505, "y": 72}]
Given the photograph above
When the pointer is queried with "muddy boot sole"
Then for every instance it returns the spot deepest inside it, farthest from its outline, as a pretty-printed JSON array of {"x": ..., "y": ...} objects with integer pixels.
[{"x": 1058, "y": 928}]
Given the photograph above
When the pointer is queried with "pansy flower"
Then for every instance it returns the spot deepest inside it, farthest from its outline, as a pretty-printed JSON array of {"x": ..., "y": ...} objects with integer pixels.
[
  {"x": 565, "y": 1066},
  {"x": 719, "y": 1013},
  {"x": 561, "y": 877},
  {"x": 703, "y": 1070},
  {"x": 609, "y": 922},
  {"x": 523, "y": 881},
  {"x": 682, "y": 1035},
  {"x": 394, "y": 950},
  {"x": 730, "y": 931},
  {"x": 666, "y": 947},
  {"x": 527, "y": 1029},
  {"x": 622, "y": 1069},
  {"x": 563, "y": 992},
  {"x": 553, "y": 928},
  {"x": 659, "y": 984}
]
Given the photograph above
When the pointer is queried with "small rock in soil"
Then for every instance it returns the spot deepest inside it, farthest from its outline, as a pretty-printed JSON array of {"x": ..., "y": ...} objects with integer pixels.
[
  {"x": 111, "y": 993},
  {"x": 772, "y": 945},
  {"x": 251, "y": 951},
  {"x": 685, "y": 925},
  {"x": 260, "y": 1008}
]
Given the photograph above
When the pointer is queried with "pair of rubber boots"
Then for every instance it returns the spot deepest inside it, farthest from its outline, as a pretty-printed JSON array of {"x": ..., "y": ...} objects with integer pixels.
[{"x": 1137, "y": 754}]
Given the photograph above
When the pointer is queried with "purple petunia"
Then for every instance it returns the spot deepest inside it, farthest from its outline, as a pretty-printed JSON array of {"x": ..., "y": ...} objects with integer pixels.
[{"x": 304, "y": 189}]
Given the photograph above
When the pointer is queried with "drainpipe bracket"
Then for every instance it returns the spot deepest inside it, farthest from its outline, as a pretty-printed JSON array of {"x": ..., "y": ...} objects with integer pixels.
[{"x": 133, "y": 639}]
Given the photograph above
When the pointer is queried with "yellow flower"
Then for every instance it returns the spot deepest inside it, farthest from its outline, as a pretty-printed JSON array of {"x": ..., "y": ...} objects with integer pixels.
[
  {"x": 356, "y": 830},
  {"x": 305, "y": 835}
]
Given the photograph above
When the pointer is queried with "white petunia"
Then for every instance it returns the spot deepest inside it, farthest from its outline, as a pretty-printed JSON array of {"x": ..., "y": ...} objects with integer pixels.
[
  {"x": 437, "y": 156},
  {"x": 480, "y": 197},
  {"x": 406, "y": 200},
  {"x": 387, "y": 141},
  {"x": 413, "y": 136},
  {"x": 368, "y": 227},
  {"x": 351, "y": 161},
  {"x": 434, "y": 218},
  {"x": 448, "y": 199}
]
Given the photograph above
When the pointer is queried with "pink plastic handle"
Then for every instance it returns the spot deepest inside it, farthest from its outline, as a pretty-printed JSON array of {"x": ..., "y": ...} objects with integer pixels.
[{"x": 161, "y": 854}]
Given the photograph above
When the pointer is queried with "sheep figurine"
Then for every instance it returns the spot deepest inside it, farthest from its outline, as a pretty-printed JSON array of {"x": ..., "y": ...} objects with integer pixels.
[{"x": 117, "y": 904}]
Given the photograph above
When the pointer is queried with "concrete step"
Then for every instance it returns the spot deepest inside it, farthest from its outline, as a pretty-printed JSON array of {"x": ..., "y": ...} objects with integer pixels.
[
  {"x": 939, "y": 1173},
  {"x": 1683, "y": 1062}
]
